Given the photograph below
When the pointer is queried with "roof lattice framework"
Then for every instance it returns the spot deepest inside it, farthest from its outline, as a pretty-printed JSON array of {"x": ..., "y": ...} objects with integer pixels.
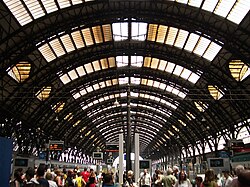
[{"x": 181, "y": 65}]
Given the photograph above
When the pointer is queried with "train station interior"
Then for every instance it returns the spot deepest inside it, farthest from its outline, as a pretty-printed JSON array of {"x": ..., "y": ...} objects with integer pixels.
[{"x": 81, "y": 72}]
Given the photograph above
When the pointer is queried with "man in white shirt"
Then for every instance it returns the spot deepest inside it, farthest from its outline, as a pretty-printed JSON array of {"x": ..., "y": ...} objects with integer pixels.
[
  {"x": 145, "y": 179},
  {"x": 227, "y": 179}
]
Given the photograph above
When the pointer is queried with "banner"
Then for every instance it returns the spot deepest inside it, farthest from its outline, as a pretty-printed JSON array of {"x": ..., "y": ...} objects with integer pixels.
[{"x": 5, "y": 160}]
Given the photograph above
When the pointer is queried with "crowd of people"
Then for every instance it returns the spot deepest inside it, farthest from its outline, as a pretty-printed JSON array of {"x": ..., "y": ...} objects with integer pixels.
[
  {"x": 175, "y": 178},
  {"x": 43, "y": 177}
]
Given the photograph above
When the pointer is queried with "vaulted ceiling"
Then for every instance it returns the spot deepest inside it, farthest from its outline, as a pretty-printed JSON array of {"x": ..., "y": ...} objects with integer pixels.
[{"x": 81, "y": 71}]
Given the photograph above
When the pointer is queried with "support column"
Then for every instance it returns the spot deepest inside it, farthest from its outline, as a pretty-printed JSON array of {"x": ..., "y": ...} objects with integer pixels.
[
  {"x": 121, "y": 159},
  {"x": 129, "y": 137},
  {"x": 137, "y": 153}
]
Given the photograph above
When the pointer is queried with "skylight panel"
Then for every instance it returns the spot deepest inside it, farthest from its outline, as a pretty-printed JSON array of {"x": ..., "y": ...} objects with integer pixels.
[
  {"x": 96, "y": 65},
  {"x": 171, "y": 36},
  {"x": 67, "y": 42},
  {"x": 89, "y": 89},
  {"x": 120, "y": 31},
  {"x": 122, "y": 61},
  {"x": 194, "y": 78},
  {"x": 77, "y": 39},
  {"x": 47, "y": 52},
  {"x": 162, "y": 31},
  {"x": 195, "y": 3},
  {"x": 123, "y": 80},
  {"x": 111, "y": 61},
  {"x": 43, "y": 93},
  {"x": 185, "y": 73},
  {"x": 209, "y": 5},
  {"x": 135, "y": 80},
  {"x": 57, "y": 47},
  {"x": 75, "y": 2},
  {"x": 136, "y": 61},
  {"x": 65, "y": 79},
  {"x": 107, "y": 32},
  {"x": 83, "y": 92},
  {"x": 212, "y": 50},
  {"x": 97, "y": 31},
  {"x": 238, "y": 69},
  {"x": 35, "y": 8},
  {"x": 201, "y": 46},
  {"x": 73, "y": 75},
  {"x": 170, "y": 67},
  {"x": 104, "y": 63},
  {"x": 80, "y": 70},
  {"x": 154, "y": 63},
  {"x": 89, "y": 68},
  {"x": 20, "y": 72},
  {"x": 214, "y": 92},
  {"x": 49, "y": 5},
  {"x": 19, "y": 11},
  {"x": 58, "y": 107},
  {"x": 239, "y": 11},
  {"x": 223, "y": 7},
  {"x": 162, "y": 65},
  {"x": 152, "y": 30},
  {"x": 181, "y": 38},
  {"x": 192, "y": 40},
  {"x": 182, "y": 1},
  {"x": 87, "y": 36},
  {"x": 63, "y": 3},
  {"x": 96, "y": 86},
  {"x": 178, "y": 70},
  {"x": 139, "y": 31}
]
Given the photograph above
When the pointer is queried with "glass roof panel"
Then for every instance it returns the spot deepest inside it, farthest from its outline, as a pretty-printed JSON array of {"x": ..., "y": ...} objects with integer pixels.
[
  {"x": 181, "y": 38},
  {"x": 139, "y": 31},
  {"x": 97, "y": 31},
  {"x": 107, "y": 32},
  {"x": 67, "y": 42},
  {"x": 65, "y": 78},
  {"x": 214, "y": 92},
  {"x": 19, "y": 11},
  {"x": 161, "y": 35},
  {"x": 72, "y": 74},
  {"x": 96, "y": 65},
  {"x": 104, "y": 63},
  {"x": 162, "y": 65},
  {"x": 201, "y": 46},
  {"x": 49, "y": 5},
  {"x": 58, "y": 107},
  {"x": 223, "y": 7},
  {"x": 75, "y": 2},
  {"x": 122, "y": 61},
  {"x": 152, "y": 31},
  {"x": 47, "y": 52},
  {"x": 178, "y": 70},
  {"x": 239, "y": 11},
  {"x": 171, "y": 36},
  {"x": 20, "y": 72},
  {"x": 136, "y": 61},
  {"x": 209, "y": 5},
  {"x": 80, "y": 70},
  {"x": 212, "y": 50},
  {"x": 120, "y": 31},
  {"x": 57, "y": 47},
  {"x": 111, "y": 61},
  {"x": 186, "y": 73},
  {"x": 191, "y": 42},
  {"x": 43, "y": 93},
  {"x": 77, "y": 39},
  {"x": 63, "y": 3},
  {"x": 35, "y": 8},
  {"x": 194, "y": 78},
  {"x": 88, "y": 68},
  {"x": 238, "y": 69},
  {"x": 170, "y": 67},
  {"x": 87, "y": 36},
  {"x": 154, "y": 63},
  {"x": 195, "y": 3}
]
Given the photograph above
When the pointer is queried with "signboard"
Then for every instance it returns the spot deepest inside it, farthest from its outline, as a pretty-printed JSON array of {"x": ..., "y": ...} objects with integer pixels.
[
  {"x": 112, "y": 147},
  {"x": 98, "y": 155},
  {"x": 56, "y": 145}
]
